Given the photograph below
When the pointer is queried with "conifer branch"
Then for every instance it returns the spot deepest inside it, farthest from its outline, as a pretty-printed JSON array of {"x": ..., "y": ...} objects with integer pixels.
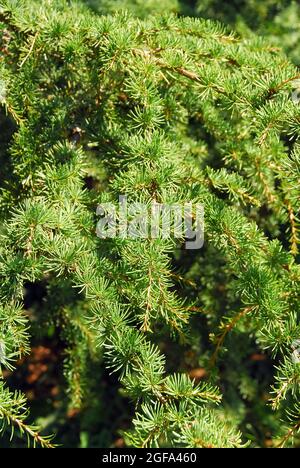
[{"x": 227, "y": 328}]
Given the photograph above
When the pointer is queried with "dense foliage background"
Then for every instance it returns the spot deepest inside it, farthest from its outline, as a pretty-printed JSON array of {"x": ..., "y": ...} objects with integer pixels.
[{"x": 116, "y": 343}]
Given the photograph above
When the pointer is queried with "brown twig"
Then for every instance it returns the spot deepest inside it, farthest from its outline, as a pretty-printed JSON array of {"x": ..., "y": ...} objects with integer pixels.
[{"x": 227, "y": 328}]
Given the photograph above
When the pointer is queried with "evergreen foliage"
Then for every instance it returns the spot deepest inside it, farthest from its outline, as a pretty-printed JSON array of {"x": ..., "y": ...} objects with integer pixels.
[
  {"x": 167, "y": 109},
  {"x": 277, "y": 20},
  {"x": 140, "y": 8}
]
